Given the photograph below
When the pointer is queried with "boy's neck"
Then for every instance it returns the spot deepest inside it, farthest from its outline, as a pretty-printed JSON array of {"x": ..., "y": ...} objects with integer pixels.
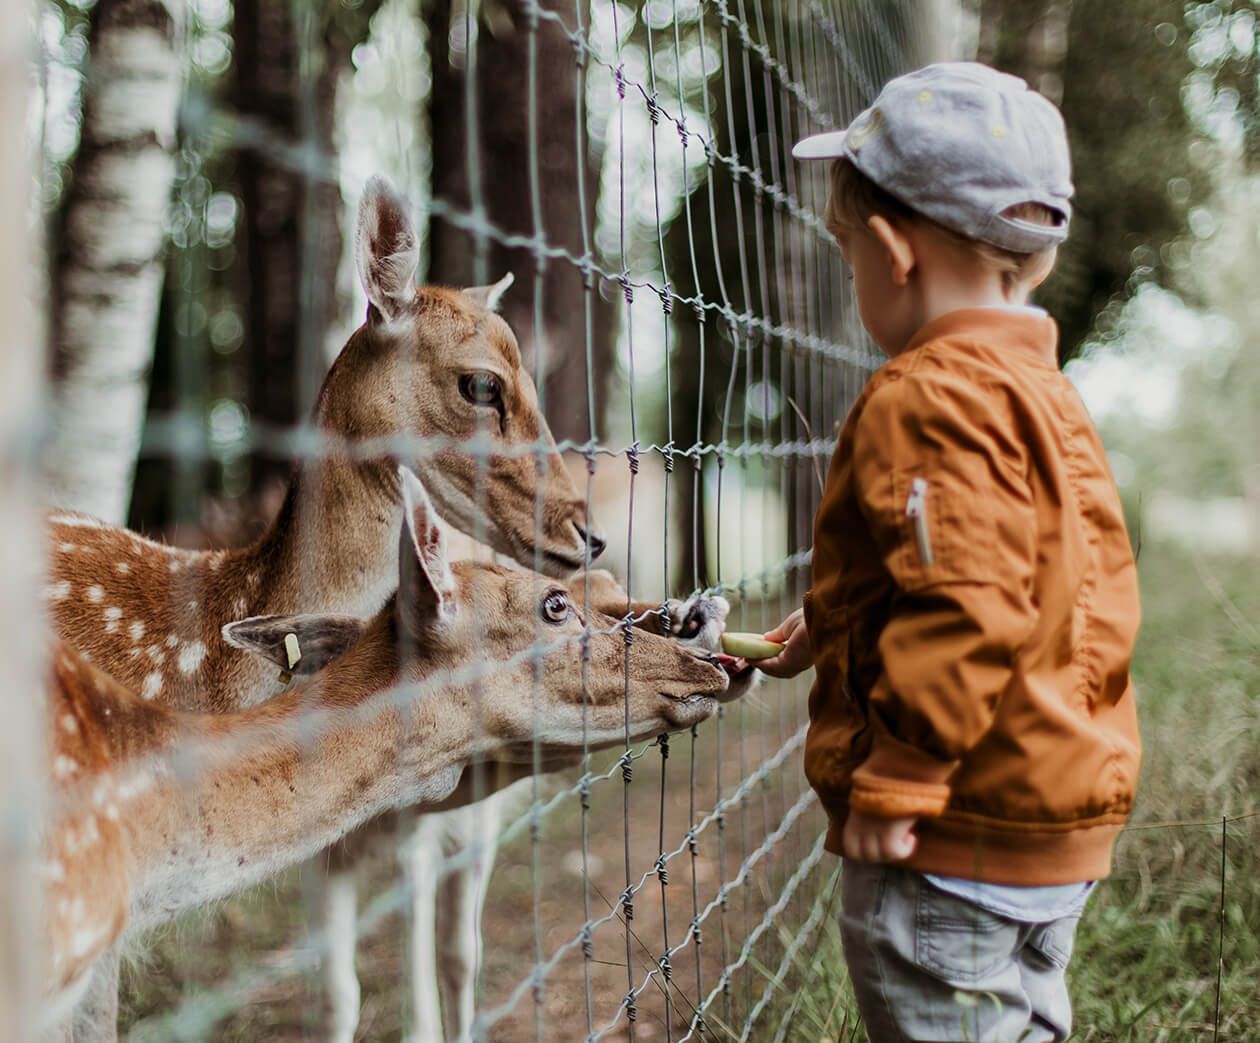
[{"x": 943, "y": 296}]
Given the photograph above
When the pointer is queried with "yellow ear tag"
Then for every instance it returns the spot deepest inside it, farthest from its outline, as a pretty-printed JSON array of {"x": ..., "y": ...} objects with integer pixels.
[{"x": 293, "y": 653}]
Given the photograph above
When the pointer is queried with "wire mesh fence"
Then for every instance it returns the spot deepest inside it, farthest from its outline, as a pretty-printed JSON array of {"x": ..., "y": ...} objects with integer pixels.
[{"x": 684, "y": 317}]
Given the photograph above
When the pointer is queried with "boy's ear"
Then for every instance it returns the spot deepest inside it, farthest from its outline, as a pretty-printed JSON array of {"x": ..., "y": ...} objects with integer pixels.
[
  {"x": 898, "y": 247},
  {"x": 297, "y": 644}
]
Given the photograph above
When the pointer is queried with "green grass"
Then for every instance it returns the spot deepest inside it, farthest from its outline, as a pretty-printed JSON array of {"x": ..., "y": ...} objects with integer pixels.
[{"x": 1145, "y": 968}]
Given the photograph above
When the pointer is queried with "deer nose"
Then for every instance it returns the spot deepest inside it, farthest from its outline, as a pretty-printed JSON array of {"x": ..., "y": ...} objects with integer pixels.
[{"x": 594, "y": 540}]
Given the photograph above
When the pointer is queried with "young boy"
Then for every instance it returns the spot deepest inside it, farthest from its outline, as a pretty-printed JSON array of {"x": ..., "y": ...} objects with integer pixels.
[{"x": 974, "y": 606}]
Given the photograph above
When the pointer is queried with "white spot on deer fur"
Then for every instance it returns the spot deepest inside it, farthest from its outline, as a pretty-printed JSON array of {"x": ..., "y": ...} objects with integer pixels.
[
  {"x": 136, "y": 630},
  {"x": 191, "y": 656},
  {"x": 69, "y": 724},
  {"x": 86, "y": 939},
  {"x": 94, "y": 593},
  {"x": 64, "y": 767},
  {"x": 156, "y": 654},
  {"x": 192, "y": 605},
  {"x": 53, "y": 870},
  {"x": 175, "y": 565},
  {"x": 112, "y": 615},
  {"x": 57, "y": 591},
  {"x": 171, "y": 640},
  {"x": 66, "y": 548},
  {"x": 76, "y": 521},
  {"x": 152, "y": 685},
  {"x": 123, "y": 568},
  {"x": 111, "y": 812},
  {"x": 86, "y": 836},
  {"x": 134, "y": 786}
]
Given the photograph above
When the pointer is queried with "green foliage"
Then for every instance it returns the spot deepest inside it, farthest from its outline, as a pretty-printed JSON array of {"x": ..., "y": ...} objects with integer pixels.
[{"x": 1155, "y": 94}]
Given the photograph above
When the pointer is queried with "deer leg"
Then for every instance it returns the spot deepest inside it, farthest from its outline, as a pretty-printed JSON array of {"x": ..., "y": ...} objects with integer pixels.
[
  {"x": 423, "y": 856},
  {"x": 339, "y": 902},
  {"x": 96, "y": 1015},
  {"x": 462, "y": 899}
]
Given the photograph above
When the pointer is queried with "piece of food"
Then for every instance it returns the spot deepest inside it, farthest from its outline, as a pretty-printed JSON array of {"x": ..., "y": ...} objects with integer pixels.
[{"x": 749, "y": 646}]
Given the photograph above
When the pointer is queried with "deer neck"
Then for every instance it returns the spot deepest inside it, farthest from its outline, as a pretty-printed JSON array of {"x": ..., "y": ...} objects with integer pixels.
[
  {"x": 333, "y": 546},
  {"x": 275, "y": 784}
]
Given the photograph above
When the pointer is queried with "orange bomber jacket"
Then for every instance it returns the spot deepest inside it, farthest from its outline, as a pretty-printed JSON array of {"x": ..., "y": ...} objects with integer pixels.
[{"x": 973, "y": 611}]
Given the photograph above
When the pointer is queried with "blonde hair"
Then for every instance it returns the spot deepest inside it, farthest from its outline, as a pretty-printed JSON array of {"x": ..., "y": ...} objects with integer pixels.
[{"x": 854, "y": 199}]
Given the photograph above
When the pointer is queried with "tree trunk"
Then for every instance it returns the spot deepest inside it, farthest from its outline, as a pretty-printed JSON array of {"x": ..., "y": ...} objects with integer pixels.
[
  {"x": 286, "y": 82},
  {"x": 22, "y": 765},
  {"x": 502, "y": 173},
  {"x": 107, "y": 272}
]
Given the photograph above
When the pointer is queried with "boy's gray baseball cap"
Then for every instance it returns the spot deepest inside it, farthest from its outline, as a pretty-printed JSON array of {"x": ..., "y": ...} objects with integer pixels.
[{"x": 959, "y": 143}]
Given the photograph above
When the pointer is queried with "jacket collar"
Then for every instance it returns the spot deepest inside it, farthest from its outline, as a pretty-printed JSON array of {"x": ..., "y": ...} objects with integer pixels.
[{"x": 1030, "y": 332}]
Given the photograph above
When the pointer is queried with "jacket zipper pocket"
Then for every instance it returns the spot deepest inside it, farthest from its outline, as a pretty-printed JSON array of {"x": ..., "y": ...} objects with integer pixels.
[{"x": 916, "y": 511}]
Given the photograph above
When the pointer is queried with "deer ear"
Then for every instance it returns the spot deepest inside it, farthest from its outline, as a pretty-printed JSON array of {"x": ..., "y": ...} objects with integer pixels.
[
  {"x": 490, "y": 296},
  {"x": 426, "y": 587},
  {"x": 386, "y": 250},
  {"x": 297, "y": 644}
]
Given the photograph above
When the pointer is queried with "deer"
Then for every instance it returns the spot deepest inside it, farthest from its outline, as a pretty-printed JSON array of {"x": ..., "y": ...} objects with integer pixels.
[
  {"x": 445, "y": 951},
  {"x": 428, "y": 363},
  {"x": 157, "y": 810}
]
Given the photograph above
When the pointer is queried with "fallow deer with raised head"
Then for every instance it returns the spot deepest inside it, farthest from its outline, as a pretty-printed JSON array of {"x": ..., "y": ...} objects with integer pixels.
[
  {"x": 156, "y": 811},
  {"x": 432, "y": 365}
]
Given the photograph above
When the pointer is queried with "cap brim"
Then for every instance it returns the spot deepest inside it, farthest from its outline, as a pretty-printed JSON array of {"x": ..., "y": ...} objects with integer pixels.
[{"x": 821, "y": 146}]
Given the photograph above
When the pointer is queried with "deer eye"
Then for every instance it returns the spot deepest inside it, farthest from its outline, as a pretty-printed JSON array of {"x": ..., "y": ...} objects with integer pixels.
[
  {"x": 481, "y": 389},
  {"x": 554, "y": 607}
]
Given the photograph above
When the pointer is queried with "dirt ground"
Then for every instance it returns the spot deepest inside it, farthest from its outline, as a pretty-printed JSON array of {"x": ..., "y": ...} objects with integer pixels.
[{"x": 262, "y": 939}]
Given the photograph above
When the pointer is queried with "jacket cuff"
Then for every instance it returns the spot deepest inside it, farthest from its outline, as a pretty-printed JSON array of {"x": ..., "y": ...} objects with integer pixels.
[{"x": 899, "y": 781}]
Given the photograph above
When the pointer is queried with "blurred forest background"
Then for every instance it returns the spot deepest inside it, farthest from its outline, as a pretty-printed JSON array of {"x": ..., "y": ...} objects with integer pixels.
[{"x": 201, "y": 165}]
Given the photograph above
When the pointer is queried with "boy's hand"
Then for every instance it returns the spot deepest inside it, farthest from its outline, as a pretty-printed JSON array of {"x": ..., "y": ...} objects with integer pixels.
[
  {"x": 795, "y": 656},
  {"x": 869, "y": 838}
]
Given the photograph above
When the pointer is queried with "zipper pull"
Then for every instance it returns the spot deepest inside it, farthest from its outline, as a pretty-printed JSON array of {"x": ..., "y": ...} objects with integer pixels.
[{"x": 916, "y": 510}]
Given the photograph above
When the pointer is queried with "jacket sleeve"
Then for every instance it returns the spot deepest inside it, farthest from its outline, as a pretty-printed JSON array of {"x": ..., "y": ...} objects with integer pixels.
[{"x": 941, "y": 476}]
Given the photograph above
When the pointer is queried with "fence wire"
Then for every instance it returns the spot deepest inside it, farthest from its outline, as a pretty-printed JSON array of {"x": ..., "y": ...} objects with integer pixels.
[
  {"x": 713, "y": 95},
  {"x": 672, "y": 888}
]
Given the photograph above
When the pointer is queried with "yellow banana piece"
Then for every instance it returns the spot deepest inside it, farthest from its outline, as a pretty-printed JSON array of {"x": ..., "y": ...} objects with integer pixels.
[{"x": 749, "y": 646}]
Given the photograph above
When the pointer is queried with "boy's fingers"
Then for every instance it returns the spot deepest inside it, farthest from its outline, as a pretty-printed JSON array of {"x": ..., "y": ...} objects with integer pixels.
[{"x": 902, "y": 847}]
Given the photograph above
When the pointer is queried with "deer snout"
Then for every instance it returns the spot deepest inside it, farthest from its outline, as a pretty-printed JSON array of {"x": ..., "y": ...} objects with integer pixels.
[{"x": 696, "y": 673}]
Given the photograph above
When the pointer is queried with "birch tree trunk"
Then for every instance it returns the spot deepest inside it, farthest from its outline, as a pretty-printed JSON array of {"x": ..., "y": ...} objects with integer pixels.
[
  {"x": 107, "y": 270},
  {"x": 21, "y": 765}
]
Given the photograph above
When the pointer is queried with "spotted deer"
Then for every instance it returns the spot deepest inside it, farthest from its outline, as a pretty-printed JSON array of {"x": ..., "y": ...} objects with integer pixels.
[
  {"x": 446, "y": 904},
  {"x": 429, "y": 363},
  {"x": 157, "y": 811}
]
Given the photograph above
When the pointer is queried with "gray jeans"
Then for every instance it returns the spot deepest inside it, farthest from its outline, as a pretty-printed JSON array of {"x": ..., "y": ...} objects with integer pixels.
[{"x": 930, "y": 966}]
